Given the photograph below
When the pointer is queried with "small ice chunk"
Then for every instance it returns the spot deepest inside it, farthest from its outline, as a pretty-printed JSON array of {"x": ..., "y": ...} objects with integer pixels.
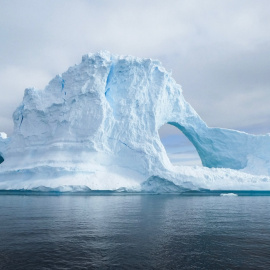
[
  {"x": 3, "y": 135},
  {"x": 228, "y": 194}
]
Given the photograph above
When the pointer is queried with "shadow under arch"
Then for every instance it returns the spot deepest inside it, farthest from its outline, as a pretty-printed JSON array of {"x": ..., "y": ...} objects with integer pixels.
[
  {"x": 179, "y": 145},
  {"x": 1, "y": 159}
]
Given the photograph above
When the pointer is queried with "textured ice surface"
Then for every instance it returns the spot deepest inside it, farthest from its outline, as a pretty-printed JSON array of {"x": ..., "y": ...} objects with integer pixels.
[{"x": 96, "y": 125}]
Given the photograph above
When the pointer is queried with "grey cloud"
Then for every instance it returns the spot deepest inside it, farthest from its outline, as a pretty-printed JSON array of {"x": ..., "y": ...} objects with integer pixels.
[{"x": 228, "y": 91}]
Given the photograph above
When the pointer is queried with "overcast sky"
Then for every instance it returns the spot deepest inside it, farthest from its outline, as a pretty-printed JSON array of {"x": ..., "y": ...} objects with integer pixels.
[{"x": 219, "y": 51}]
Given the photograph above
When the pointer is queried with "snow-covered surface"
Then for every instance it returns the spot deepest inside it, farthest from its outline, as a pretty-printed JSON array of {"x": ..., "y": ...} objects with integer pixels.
[{"x": 96, "y": 125}]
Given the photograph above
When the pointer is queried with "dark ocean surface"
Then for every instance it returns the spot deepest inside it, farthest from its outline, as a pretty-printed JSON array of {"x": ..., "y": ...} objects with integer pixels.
[{"x": 134, "y": 232}]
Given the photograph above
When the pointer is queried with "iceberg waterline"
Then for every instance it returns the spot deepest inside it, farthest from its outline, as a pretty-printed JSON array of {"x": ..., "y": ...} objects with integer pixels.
[{"x": 96, "y": 126}]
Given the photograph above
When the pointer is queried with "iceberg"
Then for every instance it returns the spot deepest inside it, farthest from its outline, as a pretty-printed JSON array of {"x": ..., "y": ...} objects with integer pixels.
[{"x": 96, "y": 126}]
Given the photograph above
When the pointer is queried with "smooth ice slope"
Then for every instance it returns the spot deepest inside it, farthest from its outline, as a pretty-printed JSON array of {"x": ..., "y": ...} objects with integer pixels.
[{"x": 96, "y": 125}]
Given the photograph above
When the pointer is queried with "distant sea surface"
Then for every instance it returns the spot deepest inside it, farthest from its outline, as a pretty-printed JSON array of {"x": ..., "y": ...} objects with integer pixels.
[{"x": 134, "y": 232}]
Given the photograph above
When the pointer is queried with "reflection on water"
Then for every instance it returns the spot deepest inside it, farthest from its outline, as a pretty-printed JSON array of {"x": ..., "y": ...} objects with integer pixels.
[{"x": 142, "y": 231}]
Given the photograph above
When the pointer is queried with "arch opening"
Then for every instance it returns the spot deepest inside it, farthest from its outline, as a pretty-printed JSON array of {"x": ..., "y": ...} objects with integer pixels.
[{"x": 178, "y": 147}]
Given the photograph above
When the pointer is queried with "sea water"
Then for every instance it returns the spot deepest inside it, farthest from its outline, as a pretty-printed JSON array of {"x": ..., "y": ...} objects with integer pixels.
[{"x": 134, "y": 232}]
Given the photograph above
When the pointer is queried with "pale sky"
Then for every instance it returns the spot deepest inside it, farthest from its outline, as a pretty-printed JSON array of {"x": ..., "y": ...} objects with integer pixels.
[{"x": 218, "y": 51}]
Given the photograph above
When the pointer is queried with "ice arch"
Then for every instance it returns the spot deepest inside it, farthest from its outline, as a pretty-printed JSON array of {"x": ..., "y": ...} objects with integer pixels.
[
  {"x": 224, "y": 148},
  {"x": 214, "y": 145}
]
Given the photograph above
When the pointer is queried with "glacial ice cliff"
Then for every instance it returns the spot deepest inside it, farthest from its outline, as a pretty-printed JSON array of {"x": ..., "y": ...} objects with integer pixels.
[{"x": 96, "y": 126}]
